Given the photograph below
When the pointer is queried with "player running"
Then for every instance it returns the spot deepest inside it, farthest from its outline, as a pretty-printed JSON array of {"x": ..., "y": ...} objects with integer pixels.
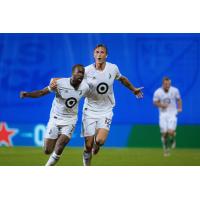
[
  {"x": 63, "y": 115},
  {"x": 168, "y": 100},
  {"x": 99, "y": 104}
]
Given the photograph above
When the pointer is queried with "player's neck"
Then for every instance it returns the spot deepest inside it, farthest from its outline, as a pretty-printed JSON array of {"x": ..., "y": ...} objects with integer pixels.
[
  {"x": 100, "y": 66},
  {"x": 74, "y": 83}
]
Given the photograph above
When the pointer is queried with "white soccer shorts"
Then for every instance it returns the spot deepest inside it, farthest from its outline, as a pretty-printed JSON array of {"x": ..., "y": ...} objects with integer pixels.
[
  {"x": 167, "y": 122},
  {"x": 53, "y": 130},
  {"x": 90, "y": 125}
]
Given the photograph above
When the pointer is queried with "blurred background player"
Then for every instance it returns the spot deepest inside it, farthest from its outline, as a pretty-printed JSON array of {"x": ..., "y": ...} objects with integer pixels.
[
  {"x": 167, "y": 98},
  {"x": 63, "y": 115}
]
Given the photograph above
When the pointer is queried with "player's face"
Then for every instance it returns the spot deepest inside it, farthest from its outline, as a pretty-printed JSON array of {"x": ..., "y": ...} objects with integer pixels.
[
  {"x": 78, "y": 74},
  {"x": 166, "y": 85},
  {"x": 100, "y": 55}
]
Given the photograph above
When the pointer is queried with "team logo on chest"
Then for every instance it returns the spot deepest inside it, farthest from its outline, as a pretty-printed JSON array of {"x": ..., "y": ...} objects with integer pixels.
[
  {"x": 70, "y": 102},
  {"x": 102, "y": 88}
]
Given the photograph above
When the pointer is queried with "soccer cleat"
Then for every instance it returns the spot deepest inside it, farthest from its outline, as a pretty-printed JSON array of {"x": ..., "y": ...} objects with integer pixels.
[{"x": 166, "y": 153}]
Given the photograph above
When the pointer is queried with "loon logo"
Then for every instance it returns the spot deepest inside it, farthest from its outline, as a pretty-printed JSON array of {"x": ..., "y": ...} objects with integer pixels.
[
  {"x": 175, "y": 57},
  {"x": 102, "y": 88},
  {"x": 71, "y": 102}
]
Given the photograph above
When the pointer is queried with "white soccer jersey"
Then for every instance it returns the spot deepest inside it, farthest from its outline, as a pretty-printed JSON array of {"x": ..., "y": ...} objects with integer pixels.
[
  {"x": 101, "y": 98},
  {"x": 65, "y": 104},
  {"x": 169, "y": 98}
]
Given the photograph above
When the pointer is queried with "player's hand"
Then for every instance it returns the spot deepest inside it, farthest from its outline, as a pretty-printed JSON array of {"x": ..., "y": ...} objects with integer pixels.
[
  {"x": 179, "y": 110},
  {"x": 138, "y": 92},
  {"x": 53, "y": 84},
  {"x": 164, "y": 106},
  {"x": 23, "y": 94}
]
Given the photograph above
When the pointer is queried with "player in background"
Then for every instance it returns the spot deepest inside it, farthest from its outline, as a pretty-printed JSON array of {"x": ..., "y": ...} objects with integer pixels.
[
  {"x": 63, "y": 115},
  {"x": 167, "y": 98}
]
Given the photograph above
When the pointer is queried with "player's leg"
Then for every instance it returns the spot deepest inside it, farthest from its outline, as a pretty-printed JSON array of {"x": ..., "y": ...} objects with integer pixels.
[
  {"x": 103, "y": 127},
  {"x": 172, "y": 131},
  {"x": 49, "y": 145},
  {"x": 164, "y": 135},
  {"x": 51, "y": 136},
  {"x": 62, "y": 141},
  {"x": 88, "y": 132},
  {"x": 87, "y": 152},
  {"x": 99, "y": 139}
]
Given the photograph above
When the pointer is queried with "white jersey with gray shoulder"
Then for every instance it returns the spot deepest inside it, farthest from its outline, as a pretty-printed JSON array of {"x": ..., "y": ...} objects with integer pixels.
[
  {"x": 101, "y": 98},
  {"x": 65, "y": 104},
  {"x": 169, "y": 98}
]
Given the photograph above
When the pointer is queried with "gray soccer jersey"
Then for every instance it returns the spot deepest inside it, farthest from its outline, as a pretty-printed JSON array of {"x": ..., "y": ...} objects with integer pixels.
[
  {"x": 101, "y": 99},
  {"x": 65, "y": 104},
  {"x": 169, "y": 98}
]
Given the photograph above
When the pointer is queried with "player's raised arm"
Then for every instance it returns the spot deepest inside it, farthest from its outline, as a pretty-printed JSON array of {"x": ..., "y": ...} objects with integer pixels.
[
  {"x": 137, "y": 91},
  {"x": 53, "y": 83},
  {"x": 36, "y": 93}
]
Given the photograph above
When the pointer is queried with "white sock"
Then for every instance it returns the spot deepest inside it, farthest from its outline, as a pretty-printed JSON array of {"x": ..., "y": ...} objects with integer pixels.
[
  {"x": 53, "y": 159},
  {"x": 87, "y": 155},
  {"x": 87, "y": 158},
  {"x": 164, "y": 142}
]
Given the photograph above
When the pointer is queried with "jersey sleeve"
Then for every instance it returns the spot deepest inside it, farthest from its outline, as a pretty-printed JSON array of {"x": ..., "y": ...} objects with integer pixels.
[
  {"x": 50, "y": 90},
  {"x": 117, "y": 73},
  {"x": 156, "y": 96},
  {"x": 177, "y": 94}
]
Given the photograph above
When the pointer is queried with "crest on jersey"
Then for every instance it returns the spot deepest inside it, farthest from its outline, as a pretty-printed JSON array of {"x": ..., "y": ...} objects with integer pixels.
[
  {"x": 70, "y": 102},
  {"x": 167, "y": 100},
  {"x": 102, "y": 88}
]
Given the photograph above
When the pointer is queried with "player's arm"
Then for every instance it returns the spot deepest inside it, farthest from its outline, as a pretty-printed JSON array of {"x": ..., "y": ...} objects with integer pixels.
[
  {"x": 160, "y": 105},
  {"x": 179, "y": 102},
  {"x": 36, "y": 93},
  {"x": 137, "y": 91},
  {"x": 53, "y": 83}
]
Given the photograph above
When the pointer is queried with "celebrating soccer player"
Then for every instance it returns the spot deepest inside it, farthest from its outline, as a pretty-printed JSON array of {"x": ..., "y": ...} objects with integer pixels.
[{"x": 63, "y": 115}]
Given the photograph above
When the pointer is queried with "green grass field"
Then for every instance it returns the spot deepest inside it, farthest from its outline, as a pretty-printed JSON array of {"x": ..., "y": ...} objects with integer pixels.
[{"x": 32, "y": 156}]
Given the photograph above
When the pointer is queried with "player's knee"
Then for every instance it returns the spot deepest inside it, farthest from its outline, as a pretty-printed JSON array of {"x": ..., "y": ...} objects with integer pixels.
[
  {"x": 47, "y": 151},
  {"x": 171, "y": 133}
]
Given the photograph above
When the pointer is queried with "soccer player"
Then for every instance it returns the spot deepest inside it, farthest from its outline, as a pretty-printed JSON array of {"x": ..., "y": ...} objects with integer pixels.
[
  {"x": 63, "y": 115},
  {"x": 99, "y": 104},
  {"x": 167, "y": 98}
]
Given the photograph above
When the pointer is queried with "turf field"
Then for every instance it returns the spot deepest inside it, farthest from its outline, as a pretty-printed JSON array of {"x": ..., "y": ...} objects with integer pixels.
[{"x": 32, "y": 156}]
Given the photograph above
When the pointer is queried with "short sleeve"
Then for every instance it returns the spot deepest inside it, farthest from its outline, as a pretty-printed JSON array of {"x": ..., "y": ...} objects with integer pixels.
[
  {"x": 50, "y": 90},
  {"x": 156, "y": 96},
  {"x": 117, "y": 73},
  {"x": 177, "y": 94}
]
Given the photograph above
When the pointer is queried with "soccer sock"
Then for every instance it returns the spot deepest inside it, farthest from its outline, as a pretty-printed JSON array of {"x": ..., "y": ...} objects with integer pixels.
[
  {"x": 164, "y": 142},
  {"x": 53, "y": 159},
  {"x": 87, "y": 156}
]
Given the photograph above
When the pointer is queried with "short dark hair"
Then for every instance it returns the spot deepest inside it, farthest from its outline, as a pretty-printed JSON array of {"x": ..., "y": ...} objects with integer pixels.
[
  {"x": 102, "y": 45},
  {"x": 166, "y": 78},
  {"x": 77, "y": 66}
]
